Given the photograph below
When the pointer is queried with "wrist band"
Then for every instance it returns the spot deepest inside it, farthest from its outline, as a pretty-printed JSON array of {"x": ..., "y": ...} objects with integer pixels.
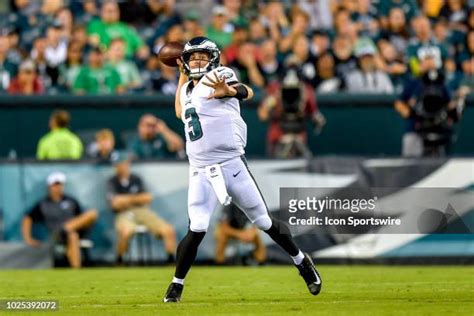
[{"x": 242, "y": 92}]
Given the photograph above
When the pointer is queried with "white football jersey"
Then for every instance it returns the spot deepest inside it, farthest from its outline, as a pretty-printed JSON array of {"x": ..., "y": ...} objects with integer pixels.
[{"x": 215, "y": 131}]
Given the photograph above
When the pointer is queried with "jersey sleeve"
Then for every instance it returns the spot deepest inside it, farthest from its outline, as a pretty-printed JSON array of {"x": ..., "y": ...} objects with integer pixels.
[
  {"x": 141, "y": 186},
  {"x": 35, "y": 213},
  {"x": 228, "y": 74},
  {"x": 77, "y": 207}
]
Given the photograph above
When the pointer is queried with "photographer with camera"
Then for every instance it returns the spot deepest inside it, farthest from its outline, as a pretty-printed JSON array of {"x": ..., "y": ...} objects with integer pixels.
[
  {"x": 287, "y": 105},
  {"x": 431, "y": 112}
]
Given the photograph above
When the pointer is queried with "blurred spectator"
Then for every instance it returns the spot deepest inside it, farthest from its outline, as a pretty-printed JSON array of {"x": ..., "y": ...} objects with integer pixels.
[
  {"x": 37, "y": 20},
  {"x": 367, "y": 78},
  {"x": 299, "y": 27},
  {"x": 167, "y": 82},
  {"x": 102, "y": 31},
  {"x": 257, "y": 32},
  {"x": 85, "y": 11},
  {"x": 128, "y": 71},
  {"x": 466, "y": 60},
  {"x": 15, "y": 53},
  {"x": 140, "y": 13},
  {"x": 245, "y": 66},
  {"x": 47, "y": 74},
  {"x": 97, "y": 78},
  {"x": 166, "y": 17},
  {"x": 60, "y": 143},
  {"x": 300, "y": 57},
  {"x": 397, "y": 30},
  {"x": 409, "y": 7},
  {"x": 239, "y": 36},
  {"x": 63, "y": 217},
  {"x": 319, "y": 12},
  {"x": 79, "y": 35},
  {"x": 131, "y": 203},
  {"x": 150, "y": 74},
  {"x": 7, "y": 68},
  {"x": 455, "y": 12},
  {"x": 320, "y": 43},
  {"x": 65, "y": 19},
  {"x": 342, "y": 18},
  {"x": 155, "y": 140},
  {"x": 326, "y": 80},
  {"x": 424, "y": 53},
  {"x": 366, "y": 19},
  {"x": 174, "y": 34},
  {"x": 103, "y": 147},
  {"x": 56, "y": 47},
  {"x": 69, "y": 71},
  {"x": 269, "y": 65},
  {"x": 220, "y": 30},
  {"x": 234, "y": 225},
  {"x": 192, "y": 27},
  {"x": 343, "y": 58},
  {"x": 393, "y": 65},
  {"x": 27, "y": 81},
  {"x": 274, "y": 19},
  {"x": 233, "y": 9}
]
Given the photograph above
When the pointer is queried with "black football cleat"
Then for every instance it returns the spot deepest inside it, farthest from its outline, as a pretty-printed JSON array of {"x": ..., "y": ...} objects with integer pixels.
[
  {"x": 310, "y": 275},
  {"x": 173, "y": 294}
]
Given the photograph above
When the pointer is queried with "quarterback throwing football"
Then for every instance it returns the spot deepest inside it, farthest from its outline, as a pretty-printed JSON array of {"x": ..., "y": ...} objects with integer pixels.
[{"x": 208, "y": 102}]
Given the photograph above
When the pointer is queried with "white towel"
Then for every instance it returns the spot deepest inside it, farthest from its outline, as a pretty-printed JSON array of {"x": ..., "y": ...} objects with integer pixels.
[{"x": 215, "y": 176}]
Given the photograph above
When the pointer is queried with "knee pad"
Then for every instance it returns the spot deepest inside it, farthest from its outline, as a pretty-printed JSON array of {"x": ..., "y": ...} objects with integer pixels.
[
  {"x": 264, "y": 222},
  {"x": 198, "y": 226}
]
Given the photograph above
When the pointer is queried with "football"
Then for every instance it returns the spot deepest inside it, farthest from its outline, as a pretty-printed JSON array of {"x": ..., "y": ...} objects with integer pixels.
[{"x": 170, "y": 52}]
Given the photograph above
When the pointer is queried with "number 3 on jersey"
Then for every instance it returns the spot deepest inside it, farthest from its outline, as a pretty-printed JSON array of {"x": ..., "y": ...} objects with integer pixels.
[{"x": 193, "y": 124}]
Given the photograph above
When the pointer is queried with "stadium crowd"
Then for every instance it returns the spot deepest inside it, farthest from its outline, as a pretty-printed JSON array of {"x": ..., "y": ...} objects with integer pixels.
[
  {"x": 107, "y": 47},
  {"x": 110, "y": 47}
]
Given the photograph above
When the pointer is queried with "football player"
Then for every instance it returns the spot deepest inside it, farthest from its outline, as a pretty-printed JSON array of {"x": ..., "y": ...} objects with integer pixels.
[{"x": 208, "y": 102}]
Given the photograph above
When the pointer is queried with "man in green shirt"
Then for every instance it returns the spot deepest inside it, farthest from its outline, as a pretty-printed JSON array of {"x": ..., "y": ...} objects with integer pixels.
[
  {"x": 220, "y": 31},
  {"x": 60, "y": 143},
  {"x": 155, "y": 140},
  {"x": 97, "y": 78},
  {"x": 102, "y": 31},
  {"x": 127, "y": 69}
]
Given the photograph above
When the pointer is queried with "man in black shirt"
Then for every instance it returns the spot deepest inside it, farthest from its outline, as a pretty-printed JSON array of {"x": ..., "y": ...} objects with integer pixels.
[
  {"x": 233, "y": 224},
  {"x": 131, "y": 203},
  {"x": 63, "y": 217}
]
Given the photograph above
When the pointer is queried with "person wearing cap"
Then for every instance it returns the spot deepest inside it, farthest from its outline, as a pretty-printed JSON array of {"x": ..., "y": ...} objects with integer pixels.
[
  {"x": 27, "y": 81},
  {"x": 131, "y": 204},
  {"x": 63, "y": 216},
  {"x": 367, "y": 78},
  {"x": 220, "y": 31},
  {"x": 60, "y": 143}
]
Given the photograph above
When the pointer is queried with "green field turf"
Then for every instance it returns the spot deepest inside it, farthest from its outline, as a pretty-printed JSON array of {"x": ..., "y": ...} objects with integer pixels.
[{"x": 347, "y": 290}]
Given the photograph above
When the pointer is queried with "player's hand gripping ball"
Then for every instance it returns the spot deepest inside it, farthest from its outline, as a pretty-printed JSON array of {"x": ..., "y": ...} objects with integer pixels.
[{"x": 170, "y": 52}]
